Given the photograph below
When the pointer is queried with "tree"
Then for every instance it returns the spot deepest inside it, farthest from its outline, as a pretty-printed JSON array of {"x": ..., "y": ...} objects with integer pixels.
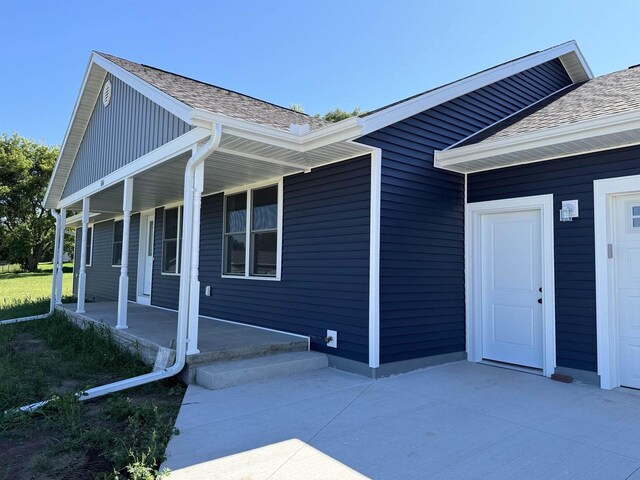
[
  {"x": 27, "y": 229},
  {"x": 338, "y": 114}
]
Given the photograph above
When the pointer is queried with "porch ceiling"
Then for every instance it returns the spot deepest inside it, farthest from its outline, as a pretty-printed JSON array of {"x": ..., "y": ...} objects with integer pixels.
[{"x": 237, "y": 162}]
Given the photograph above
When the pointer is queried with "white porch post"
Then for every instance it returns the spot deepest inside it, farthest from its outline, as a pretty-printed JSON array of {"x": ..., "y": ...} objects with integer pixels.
[
  {"x": 82, "y": 277},
  {"x": 60, "y": 254},
  {"x": 194, "y": 291},
  {"x": 54, "y": 269},
  {"x": 123, "y": 291}
]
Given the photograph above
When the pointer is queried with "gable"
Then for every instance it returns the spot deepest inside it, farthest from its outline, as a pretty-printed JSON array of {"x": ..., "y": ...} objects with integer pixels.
[{"x": 130, "y": 126}]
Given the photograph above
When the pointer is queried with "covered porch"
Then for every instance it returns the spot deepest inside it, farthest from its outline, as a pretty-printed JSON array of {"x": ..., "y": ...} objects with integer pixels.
[
  {"x": 150, "y": 328},
  {"x": 170, "y": 177}
]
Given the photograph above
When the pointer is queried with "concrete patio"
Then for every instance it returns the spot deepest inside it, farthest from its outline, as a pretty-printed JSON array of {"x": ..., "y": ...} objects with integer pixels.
[
  {"x": 457, "y": 421},
  {"x": 151, "y": 328}
]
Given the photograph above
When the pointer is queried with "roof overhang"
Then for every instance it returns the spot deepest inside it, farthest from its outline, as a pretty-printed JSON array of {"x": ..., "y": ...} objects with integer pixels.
[
  {"x": 305, "y": 151},
  {"x": 604, "y": 133},
  {"x": 238, "y": 161}
]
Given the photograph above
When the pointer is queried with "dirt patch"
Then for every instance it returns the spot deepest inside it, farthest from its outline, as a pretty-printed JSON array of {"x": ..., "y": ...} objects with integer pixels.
[{"x": 69, "y": 439}]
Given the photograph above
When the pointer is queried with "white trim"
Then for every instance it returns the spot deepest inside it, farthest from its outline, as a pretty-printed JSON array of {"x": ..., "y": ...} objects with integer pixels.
[
  {"x": 413, "y": 106},
  {"x": 279, "y": 224},
  {"x": 142, "y": 254},
  {"x": 374, "y": 259},
  {"x": 175, "y": 147},
  {"x": 166, "y": 101},
  {"x": 606, "y": 321},
  {"x": 458, "y": 159},
  {"x": 473, "y": 212}
]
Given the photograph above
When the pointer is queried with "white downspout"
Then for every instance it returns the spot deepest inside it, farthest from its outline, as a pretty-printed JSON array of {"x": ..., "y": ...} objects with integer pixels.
[
  {"x": 187, "y": 282},
  {"x": 54, "y": 276},
  {"x": 183, "y": 315}
]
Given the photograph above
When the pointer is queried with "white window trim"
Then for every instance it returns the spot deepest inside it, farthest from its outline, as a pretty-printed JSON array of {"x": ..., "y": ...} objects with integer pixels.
[
  {"x": 113, "y": 240},
  {"x": 606, "y": 319},
  {"x": 473, "y": 211},
  {"x": 247, "y": 272},
  {"x": 178, "y": 240},
  {"x": 90, "y": 260}
]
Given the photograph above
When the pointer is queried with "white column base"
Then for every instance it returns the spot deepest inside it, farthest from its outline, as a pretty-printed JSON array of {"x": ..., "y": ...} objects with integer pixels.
[
  {"x": 123, "y": 294},
  {"x": 82, "y": 281},
  {"x": 59, "y": 287}
]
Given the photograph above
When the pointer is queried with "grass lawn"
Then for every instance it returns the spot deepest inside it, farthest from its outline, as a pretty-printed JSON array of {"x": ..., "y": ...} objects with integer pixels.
[
  {"x": 120, "y": 436},
  {"x": 32, "y": 289}
]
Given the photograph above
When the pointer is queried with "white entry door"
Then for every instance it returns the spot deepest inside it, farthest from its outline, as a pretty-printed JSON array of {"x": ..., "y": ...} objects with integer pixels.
[
  {"x": 511, "y": 288},
  {"x": 148, "y": 261},
  {"x": 626, "y": 255}
]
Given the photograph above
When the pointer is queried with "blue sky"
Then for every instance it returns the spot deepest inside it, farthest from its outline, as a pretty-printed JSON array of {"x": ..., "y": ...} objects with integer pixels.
[{"x": 320, "y": 54}]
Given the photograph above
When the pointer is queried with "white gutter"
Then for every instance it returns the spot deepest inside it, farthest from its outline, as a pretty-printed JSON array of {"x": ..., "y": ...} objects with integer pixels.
[
  {"x": 196, "y": 159},
  {"x": 458, "y": 159}
]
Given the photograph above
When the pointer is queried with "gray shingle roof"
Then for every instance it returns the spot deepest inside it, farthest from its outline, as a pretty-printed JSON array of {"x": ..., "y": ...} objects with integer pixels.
[
  {"x": 215, "y": 99},
  {"x": 616, "y": 92}
]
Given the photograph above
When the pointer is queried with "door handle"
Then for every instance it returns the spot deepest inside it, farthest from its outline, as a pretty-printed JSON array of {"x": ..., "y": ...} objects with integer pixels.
[{"x": 540, "y": 301}]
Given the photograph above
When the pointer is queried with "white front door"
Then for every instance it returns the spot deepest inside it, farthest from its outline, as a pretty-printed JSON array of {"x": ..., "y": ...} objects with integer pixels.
[
  {"x": 148, "y": 260},
  {"x": 626, "y": 255},
  {"x": 511, "y": 287}
]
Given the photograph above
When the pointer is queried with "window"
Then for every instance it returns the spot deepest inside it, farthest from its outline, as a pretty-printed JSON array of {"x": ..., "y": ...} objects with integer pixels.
[
  {"x": 116, "y": 255},
  {"x": 171, "y": 240},
  {"x": 251, "y": 233},
  {"x": 264, "y": 231},
  {"x": 89, "y": 245},
  {"x": 235, "y": 235},
  {"x": 635, "y": 216}
]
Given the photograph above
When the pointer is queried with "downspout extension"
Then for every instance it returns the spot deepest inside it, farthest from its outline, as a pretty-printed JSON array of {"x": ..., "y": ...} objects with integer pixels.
[
  {"x": 54, "y": 277},
  {"x": 197, "y": 158}
]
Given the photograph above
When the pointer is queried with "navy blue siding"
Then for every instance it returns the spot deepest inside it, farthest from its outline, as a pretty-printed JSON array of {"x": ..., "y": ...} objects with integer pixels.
[
  {"x": 566, "y": 179},
  {"x": 325, "y": 262},
  {"x": 422, "y": 219},
  {"x": 102, "y": 278}
]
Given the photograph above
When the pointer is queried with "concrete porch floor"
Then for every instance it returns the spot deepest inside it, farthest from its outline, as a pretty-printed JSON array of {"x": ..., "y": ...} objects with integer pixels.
[
  {"x": 152, "y": 327},
  {"x": 456, "y": 421}
]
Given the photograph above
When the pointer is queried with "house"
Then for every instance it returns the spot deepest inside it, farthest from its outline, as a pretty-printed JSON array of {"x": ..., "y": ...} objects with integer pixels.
[{"x": 494, "y": 219}]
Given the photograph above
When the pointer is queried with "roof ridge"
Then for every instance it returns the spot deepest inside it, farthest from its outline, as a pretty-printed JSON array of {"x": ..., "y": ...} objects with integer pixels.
[{"x": 106, "y": 55}]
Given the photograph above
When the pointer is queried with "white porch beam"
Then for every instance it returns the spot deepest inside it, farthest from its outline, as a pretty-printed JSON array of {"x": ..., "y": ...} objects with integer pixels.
[
  {"x": 123, "y": 290},
  {"x": 60, "y": 255},
  {"x": 194, "y": 289},
  {"x": 82, "y": 277}
]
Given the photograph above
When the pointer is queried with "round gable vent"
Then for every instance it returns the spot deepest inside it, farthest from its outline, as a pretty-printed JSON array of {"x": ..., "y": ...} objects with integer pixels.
[{"x": 106, "y": 93}]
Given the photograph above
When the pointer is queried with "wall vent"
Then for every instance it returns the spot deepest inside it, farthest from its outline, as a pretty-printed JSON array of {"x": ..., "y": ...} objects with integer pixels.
[{"x": 106, "y": 93}]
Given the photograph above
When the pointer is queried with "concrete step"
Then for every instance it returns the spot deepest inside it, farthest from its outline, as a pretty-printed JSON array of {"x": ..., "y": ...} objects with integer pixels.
[{"x": 237, "y": 372}]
